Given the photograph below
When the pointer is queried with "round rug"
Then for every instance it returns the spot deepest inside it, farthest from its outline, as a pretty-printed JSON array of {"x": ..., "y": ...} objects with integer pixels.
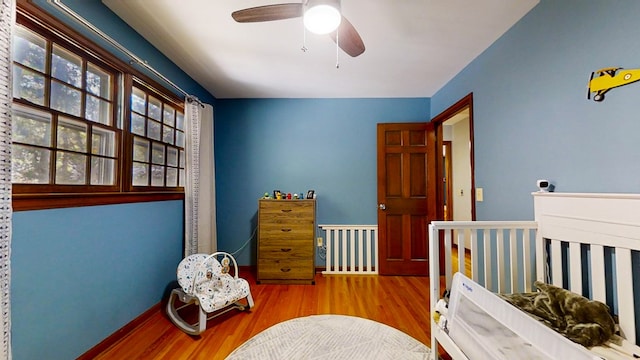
[{"x": 331, "y": 337}]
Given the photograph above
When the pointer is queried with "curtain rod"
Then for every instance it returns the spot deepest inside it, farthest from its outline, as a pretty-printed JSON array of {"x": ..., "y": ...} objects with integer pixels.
[{"x": 134, "y": 58}]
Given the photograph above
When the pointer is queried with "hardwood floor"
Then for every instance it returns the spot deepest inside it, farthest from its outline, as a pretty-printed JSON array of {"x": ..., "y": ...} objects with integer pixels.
[{"x": 398, "y": 301}]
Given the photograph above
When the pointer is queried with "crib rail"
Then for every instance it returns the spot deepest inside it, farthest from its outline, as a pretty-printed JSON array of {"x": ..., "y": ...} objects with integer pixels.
[
  {"x": 594, "y": 259},
  {"x": 351, "y": 249},
  {"x": 502, "y": 253}
]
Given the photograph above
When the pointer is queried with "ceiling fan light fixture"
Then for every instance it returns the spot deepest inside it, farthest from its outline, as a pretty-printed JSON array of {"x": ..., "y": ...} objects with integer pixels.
[{"x": 322, "y": 17}]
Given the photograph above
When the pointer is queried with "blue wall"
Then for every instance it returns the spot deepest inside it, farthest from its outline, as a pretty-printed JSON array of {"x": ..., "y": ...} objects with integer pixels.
[
  {"x": 532, "y": 119},
  {"x": 78, "y": 275},
  {"x": 293, "y": 145}
]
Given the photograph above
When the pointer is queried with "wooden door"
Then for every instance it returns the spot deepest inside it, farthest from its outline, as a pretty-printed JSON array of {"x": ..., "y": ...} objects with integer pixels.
[{"x": 407, "y": 196}]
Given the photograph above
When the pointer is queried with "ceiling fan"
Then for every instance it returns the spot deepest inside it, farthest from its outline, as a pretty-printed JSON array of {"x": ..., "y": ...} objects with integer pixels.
[{"x": 331, "y": 21}]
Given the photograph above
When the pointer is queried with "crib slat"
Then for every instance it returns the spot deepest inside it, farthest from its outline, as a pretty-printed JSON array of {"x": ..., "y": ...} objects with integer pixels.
[
  {"x": 336, "y": 250},
  {"x": 366, "y": 238},
  {"x": 526, "y": 260},
  {"x": 447, "y": 258},
  {"x": 461, "y": 251},
  {"x": 597, "y": 272},
  {"x": 352, "y": 251},
  {"x": 500, "y": 247},
  {"x": 625, "y": 294},
  {"x": 488, "y": 268},
  {"x": 513, "y": 258},
  {"x": 329, "y": 243},
  {"x": 541, "y": 258},
  {"x": 556, "y": 263},
  {"x": 474, "y": 254},
  {"x": 375, "y": 245},
  {"x": 575, "y": 282},
  {"x": 343, "y": 241}
]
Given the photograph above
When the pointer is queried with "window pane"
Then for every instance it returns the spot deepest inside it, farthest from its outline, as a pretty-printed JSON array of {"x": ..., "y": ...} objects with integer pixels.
[
  {"x": 72, "y": 135},
  {"x": 167, "y": 134},
  {"x": 154, "y": 108},
  {"x": 31, "y": 126},
  {"x": 182, "y": 159},
  {"x": 172, "y": 177},
  {"x": 98, "y": 110},
  {"x": 140, "y": 174},
  {"x": 29, "y": 49},
  {"x": 140, "y": 150},
  {"x": 153, "y": 130},
  {"x": 102, "y": 171},
  {"x": 157, "y": 154},
  {"x": 70, "y": 168},
  {"x": 180, "y": 120},
  {"x": 29, "y": 165},
  {"x": 103, "y": 142},
  {"x": 66, "y": 66},
  {"x": 157, "y": 175},
  {"x": 138, "y": 101},
  {"x": 181, "y": 179},
  {"x": 65, "y": 98},
  {"x": 98, "y": 82},
  {"x": 172, "y": 156},
  {"x": 137, "y": 124},
  {"x": 180, "y": 138},
  {"x": 28, "y": 85},
  {"x": 168, "y": 115}
]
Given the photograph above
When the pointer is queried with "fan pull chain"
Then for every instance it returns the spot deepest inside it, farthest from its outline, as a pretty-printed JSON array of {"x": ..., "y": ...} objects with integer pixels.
[
  {"x": 337, "y": 49},
  {"x": 304, "y": 38}
]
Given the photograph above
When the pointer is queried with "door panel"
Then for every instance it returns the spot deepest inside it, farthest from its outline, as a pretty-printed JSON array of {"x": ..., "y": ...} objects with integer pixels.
[{"x": 407, "y": 196}]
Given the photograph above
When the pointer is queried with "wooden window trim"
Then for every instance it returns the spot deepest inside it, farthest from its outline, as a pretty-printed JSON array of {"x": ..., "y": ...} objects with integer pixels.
[
  {"x": 24, "y": 202},
  {"x": 23, "y": 199}
]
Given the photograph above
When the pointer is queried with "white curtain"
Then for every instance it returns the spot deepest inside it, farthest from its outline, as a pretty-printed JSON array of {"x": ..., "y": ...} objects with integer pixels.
[
  {"x": 200, "y": 201},
  {"x": 7, "y": 20}
]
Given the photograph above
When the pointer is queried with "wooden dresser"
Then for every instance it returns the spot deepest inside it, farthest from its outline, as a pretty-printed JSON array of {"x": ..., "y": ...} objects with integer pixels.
[{"x": 286, "y": 241}]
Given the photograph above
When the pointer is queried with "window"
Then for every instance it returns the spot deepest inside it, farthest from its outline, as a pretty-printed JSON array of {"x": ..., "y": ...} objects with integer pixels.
[
  {"x": 157, "y": 128},
  {"x": 64, "y": 131},
  {"x": 75, "y": 137}
]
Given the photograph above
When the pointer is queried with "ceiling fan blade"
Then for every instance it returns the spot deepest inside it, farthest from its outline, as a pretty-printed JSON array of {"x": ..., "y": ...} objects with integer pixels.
[
  {"x": 268, "y": 13},
  {"x": 348, "y": 38}
]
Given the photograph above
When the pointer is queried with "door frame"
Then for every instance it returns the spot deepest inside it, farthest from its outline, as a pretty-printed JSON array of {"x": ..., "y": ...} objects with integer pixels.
[{"x": 439, "y": 120}]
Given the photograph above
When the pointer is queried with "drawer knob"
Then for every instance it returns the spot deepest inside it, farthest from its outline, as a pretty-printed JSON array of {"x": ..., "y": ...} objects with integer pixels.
[
  {"x": 285, "y": 269},
  {"x": 285, "y": 250},
  {"x": 286, "y": 229}
]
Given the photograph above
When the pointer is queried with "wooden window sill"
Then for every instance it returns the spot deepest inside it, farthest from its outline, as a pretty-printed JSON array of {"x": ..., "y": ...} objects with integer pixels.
[{"x": 23, "y": 202}]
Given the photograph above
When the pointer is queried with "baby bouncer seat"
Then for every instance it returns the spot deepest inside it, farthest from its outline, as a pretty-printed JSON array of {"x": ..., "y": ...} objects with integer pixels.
[{"x": 211, "y": 283}]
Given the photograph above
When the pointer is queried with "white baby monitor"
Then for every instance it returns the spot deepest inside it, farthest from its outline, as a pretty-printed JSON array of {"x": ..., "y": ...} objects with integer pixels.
[{"x": 545, "y": 185}]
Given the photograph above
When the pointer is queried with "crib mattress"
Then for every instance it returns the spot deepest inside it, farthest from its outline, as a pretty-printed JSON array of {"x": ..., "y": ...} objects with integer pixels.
[{"x": 485, "y": 326}]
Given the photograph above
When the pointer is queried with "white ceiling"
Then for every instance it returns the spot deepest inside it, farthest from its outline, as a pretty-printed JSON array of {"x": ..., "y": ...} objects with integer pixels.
[{"x": 413, "y": 47}]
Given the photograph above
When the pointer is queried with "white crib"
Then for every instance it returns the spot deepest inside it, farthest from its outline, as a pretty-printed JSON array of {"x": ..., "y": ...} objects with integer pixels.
[{"x": 586, "y": 243}]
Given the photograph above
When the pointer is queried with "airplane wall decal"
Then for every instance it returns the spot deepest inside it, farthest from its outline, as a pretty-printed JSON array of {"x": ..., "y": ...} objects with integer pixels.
[{"x": 605, "y": 79}]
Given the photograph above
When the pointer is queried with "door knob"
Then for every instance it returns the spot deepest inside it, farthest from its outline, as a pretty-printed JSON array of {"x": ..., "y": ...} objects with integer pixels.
[{"x": 382, "y": 207}]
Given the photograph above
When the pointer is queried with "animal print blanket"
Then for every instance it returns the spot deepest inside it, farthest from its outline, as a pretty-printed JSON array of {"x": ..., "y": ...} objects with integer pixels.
[{"x": 583, "y": 321}]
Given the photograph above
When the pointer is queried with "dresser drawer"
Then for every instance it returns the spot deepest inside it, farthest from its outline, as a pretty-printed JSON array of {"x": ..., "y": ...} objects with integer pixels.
[
  {"x": 279, "y": 249},
  {"x": 286, "y": 206},
  {"x": 287, "y": 211},
  {"x": 285, "y": 231},
  {"x": 286, "y": 269}
]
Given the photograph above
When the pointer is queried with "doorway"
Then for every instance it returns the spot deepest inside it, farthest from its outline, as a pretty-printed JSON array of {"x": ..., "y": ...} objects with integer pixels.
[
  {"x": 458, "y": 191},
  {"x": 413, "y": 183}
]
